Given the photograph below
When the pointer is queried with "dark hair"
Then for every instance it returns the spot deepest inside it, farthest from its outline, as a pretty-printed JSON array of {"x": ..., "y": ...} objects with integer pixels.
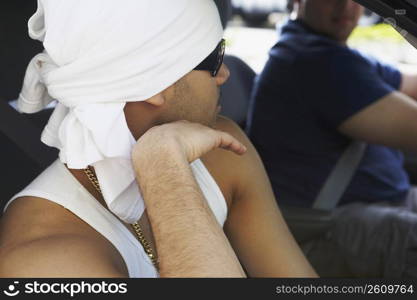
[{"x": 290, "y": 5}]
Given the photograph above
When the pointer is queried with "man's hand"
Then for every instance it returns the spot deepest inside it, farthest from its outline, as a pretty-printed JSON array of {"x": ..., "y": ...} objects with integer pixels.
[{"x": 192, "y": 140}]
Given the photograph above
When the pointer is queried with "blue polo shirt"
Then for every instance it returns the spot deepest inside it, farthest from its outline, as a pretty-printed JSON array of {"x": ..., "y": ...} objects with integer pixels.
[{"x": 308, "y": 88}]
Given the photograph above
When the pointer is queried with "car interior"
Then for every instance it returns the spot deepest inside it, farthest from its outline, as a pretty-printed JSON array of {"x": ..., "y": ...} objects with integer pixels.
[{"x": 23, "y": 155}]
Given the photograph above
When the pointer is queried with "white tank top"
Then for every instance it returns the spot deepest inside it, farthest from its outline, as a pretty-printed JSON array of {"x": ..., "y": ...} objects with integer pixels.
[{"x": 58, "y": 185}]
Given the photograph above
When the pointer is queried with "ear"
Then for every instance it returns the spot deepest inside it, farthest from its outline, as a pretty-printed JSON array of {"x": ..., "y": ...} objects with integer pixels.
[
  {"x": 157, "y": 100},
  {"x": 296, "y": 9}
]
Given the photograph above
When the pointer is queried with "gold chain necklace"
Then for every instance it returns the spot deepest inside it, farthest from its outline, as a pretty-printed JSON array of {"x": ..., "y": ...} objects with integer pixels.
[{"x": 136, "y": 227}]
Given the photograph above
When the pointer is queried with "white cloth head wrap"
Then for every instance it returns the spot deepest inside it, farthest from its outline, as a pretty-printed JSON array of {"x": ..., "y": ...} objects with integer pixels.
[{"x": 100, "y": 54}]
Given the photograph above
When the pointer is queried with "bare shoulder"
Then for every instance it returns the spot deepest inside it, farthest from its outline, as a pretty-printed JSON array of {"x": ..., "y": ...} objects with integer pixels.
[
  {"x": 226, "y": 160},
  {"x": 39, "y": 238},
  {"x": 232, "y": 171},
  {"x": 229, "y": 126},
  {"x": 57, "y": 256}
]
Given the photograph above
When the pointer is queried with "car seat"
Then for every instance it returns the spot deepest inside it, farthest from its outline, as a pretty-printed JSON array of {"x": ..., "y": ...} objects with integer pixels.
[
  {"x": 21, "y": 158},
  {"x": 235, "y": 93}
]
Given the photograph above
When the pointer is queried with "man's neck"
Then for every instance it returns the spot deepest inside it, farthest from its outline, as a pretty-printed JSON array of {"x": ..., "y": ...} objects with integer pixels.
[{"x": 317, "y": 32}]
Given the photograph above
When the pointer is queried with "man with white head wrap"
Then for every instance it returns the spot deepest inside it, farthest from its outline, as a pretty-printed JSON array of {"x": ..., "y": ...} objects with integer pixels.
[{"x": 118, "y": 72}]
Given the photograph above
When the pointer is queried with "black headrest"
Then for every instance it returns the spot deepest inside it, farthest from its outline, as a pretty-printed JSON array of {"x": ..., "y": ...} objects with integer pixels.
[
  {"x": 16, "y": 47},
  {"x": 225, "y": 10}
]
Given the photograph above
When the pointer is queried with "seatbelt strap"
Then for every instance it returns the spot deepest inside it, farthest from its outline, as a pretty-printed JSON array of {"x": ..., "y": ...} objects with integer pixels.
[
  {"x": 25, "y": 135},
  {"x": 340, "y": 177}
]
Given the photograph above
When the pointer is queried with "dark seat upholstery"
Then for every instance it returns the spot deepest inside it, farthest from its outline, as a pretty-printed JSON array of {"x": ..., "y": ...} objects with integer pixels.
[
  {"x": 237, "y": 90},
  {"x": 225, "y": 10},
  {"x": 16, "y": 50},
  {"x": 16, "y": 46}
]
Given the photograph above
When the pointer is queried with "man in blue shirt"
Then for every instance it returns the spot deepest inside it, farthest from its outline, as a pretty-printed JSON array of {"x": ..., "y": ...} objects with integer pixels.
[{"x": 314, "y": 96}]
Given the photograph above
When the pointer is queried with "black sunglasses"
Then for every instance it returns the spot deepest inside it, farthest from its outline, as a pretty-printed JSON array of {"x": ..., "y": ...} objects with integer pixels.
[{"x": 214, "y": 61}]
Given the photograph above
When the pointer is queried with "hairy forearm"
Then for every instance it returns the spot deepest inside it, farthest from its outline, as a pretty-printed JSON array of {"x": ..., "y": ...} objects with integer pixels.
[{"x": 189, "y": 240}]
